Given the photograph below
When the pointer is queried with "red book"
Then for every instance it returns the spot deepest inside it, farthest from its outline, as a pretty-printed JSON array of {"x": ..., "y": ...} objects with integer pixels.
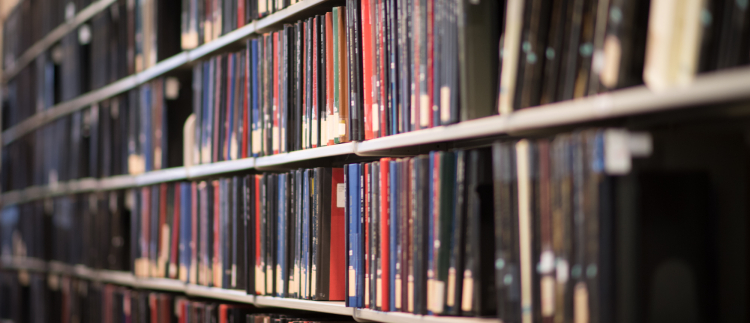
[
  {"x": 193, "y": 269},
  {"x": 153, "y": 307},
  {"x": 217, "y": 274},
  {"x": 337, "y": 290},
  {"x": 276, "y": 110},
  {"x": 385, "y": 245},
  {"x": 430, "y": 63},
  {"x": 173, "y": 265},
  {"x": 240, "y": 13},
  {"x": 165, "y": 308},
  {"x": 259, "y": 280},
  {"x": 314, "y": 122},
  {"x": 330, "y": 122},
  {"x": 223, "y": 313},
  {"x": 305, "y": 120},
  {"x": 367, "y": 67}
]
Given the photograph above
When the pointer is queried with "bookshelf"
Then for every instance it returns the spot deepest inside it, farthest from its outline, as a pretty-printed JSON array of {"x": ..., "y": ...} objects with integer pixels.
[
  {"x": 708, "y": 90},
  {"x": 53, "y": 37}
]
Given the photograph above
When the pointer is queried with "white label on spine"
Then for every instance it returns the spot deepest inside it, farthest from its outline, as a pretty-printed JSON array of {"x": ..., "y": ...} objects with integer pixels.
[
  {"x": 341, "y": 195},
  {"x": 352, "y": 289},
  {"x": 445, "y": 104},
  {"x": 375, "y": 118},
  {"x": 439, "y": 299}
]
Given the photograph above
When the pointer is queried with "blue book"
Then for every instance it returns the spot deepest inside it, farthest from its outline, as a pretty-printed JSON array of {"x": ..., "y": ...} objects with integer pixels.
[
  {"x": 360, "y": 235},
  {"x": 355, "y": 222},
  {"x": 394, "y": 234},
  {"x": 185, "y": 230},
  {"x": 206, "y": 120},
  {"x": 255, "y": 142},
  {"x": 146, "y": 131},
  {"x": 281, "y": 268}
]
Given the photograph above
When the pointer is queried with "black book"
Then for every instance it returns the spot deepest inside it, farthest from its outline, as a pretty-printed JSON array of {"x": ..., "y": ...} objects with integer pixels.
[
  {"x": 354, "y": 53},
  {"x": 553, "y": 51},
  {"x": 299, "y": 68},
  {"x": 734, "y": 42},
  {"x": 421, "y": 209},
  {"x": 323, "y": 277},
  {"x": 478, "y": 297},
  {"x": 506, "y": 235},
  {"x": 569, "y": 60},
  {"x": 271, "y": 215},
  {"x": 322, "y": 111},
  {"x": 292, "y": 238},
  {"x": 404, "y": 58},
  {"x": 478, "y": 42},
  {"x": 264, "y": 198}
]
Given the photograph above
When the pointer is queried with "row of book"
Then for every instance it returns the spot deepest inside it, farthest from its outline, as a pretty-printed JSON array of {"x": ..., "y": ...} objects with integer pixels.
[
  {"x": 271, "y": 234},
  {"x": 123, "y": 39},
  {"x": 204, "y": 21},
  {"x": 39, "y": 298},
  {"x": 521, "y": 230},
  {"x": 87, "y": 229},
  {"x": 127, "y": 134}
]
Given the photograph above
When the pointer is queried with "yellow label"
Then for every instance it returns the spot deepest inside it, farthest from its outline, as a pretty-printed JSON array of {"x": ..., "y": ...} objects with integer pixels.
[
  {"x": 398, "y": 292},
  {"x": 183, "y": 273},
  {"x": 467, "y": 298},
  {"x": 581, "y": 303},
  {"x": 269, "y": 279},
  {"x": 256, "y": 141},
  {"x": 451, "y": 287},
  {"x": 279, "y": 279},
  {"x": 445, "y": 104},
  {"x": 547, "y": 286},
  {"x": 275, "y": 138},
  {"x": 234, "y": 275},
  {"x": 313, "y": 282},
  {"x": 367, "y": 290},
  {"x": 342, "y": 129},
  {"x": 424, "y": 110}
]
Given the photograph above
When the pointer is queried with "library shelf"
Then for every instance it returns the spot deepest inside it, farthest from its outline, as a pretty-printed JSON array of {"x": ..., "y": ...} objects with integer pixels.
[
  {"x": 330, "y": 307},
  {"x": 184, "y": 58},
  {"x": 361, "y": 314},
  {"x": 238, "y": 296},
  {"x": 276, "y": 161},
  {"x": 55, "y": 268},
  {"x": 122, "y": 278},
  {"x": 162, "y": 284},
  {"x": 117, "y": 182},
  {"x": 54, "y": 36},
  {"x": 160, "y": 176},
  {"x": 222, "y": 167}
]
